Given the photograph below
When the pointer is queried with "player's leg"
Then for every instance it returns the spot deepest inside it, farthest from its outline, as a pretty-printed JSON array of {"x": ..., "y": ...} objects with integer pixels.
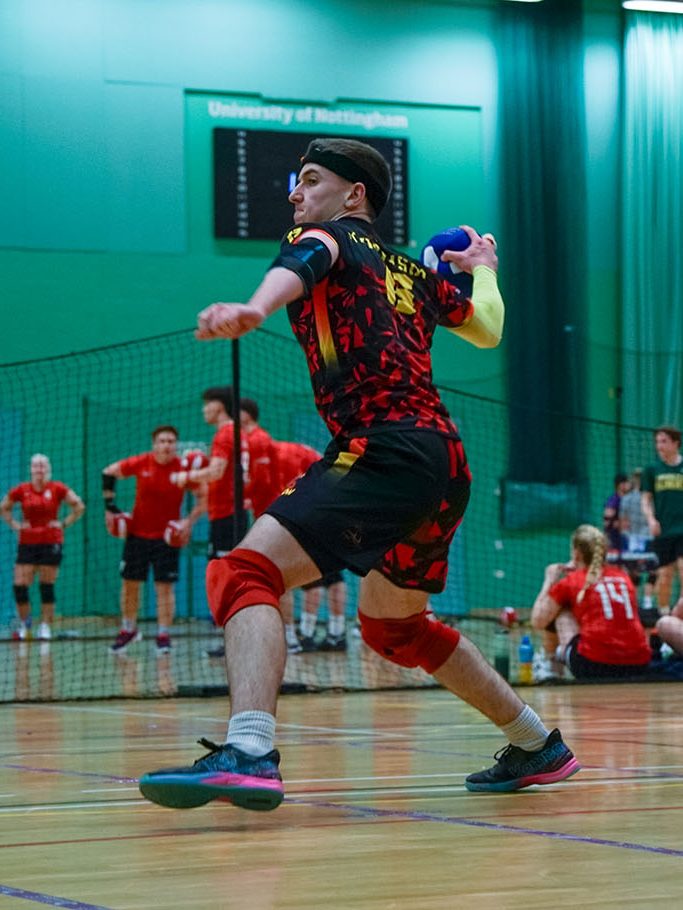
[
  {"x": 312, "y": 599},
  {"x": 134, "y": 568},
  {"x": 23, "y": 577},
  {"x": 166, "y": 565},
  {"x": 679, "y": 567},
  {"x": 394, "y": 622},
  {"x": 47, "y": 576},
  {"x": 244, "y": 591},
  {"x": 165, "y": 597},
  {"x": 665, "y": 574},
  {"x": 335, "y": 640},
  {"x": 287, "y": 612}
]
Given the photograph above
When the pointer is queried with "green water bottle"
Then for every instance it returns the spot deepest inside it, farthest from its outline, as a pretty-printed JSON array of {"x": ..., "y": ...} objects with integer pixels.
[{"x": 501, "y": 652}]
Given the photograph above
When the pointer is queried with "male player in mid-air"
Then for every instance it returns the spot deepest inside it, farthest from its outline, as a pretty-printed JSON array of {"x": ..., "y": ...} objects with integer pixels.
[{"x": 386, "y": 498}]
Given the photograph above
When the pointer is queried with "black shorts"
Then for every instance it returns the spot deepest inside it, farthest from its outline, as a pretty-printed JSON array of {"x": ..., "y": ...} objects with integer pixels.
[
  {"x": 583, "y": 668},
  {"x": 39, "y": 554},
  {"x": 139, "y": 553},
  {"x": 325, "y": 582},
  {"x": 668, "y": 549},
  {"x": 222, "y": 535},
  {"x": 392, "y": 503}
]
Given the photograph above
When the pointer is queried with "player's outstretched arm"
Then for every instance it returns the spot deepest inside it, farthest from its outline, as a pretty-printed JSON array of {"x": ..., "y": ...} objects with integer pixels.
[{"x": 279, "y": 287}]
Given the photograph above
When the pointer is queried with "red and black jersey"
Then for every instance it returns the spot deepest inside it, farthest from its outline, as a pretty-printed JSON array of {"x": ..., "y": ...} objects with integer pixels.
[
  {"x": 609, "y": 625},
  {"x": 39, "y": 508},
  {"x": 157, "y": 500},
  {"x": 367, "y": 330}
]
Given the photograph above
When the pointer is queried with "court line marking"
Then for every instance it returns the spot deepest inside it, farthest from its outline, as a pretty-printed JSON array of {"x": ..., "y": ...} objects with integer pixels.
[
  {"x": 50, "y": 899},
  {"x": 367, "y": 812}
]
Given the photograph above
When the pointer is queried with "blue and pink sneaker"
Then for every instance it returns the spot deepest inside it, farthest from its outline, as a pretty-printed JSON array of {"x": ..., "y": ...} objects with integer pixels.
[
  {"x": 516, "y": 768},
  {"x": 226, "y": 773}
]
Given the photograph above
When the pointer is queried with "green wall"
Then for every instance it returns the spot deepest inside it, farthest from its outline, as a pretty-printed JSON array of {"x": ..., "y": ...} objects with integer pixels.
[{"x": 99, "y": 242}]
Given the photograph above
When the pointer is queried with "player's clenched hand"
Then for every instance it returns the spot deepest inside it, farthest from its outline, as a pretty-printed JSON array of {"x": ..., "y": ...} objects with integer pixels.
[
  {"x": 481, "y": 251},
  {"x": 227, "y": 320}
]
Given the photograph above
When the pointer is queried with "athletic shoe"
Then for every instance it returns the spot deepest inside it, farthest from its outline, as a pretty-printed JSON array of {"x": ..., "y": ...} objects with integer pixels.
[
  {"x": 163, "y": 643},
  {"x": 43, "y": 633},
  {"x": 307, "y": 643},
  {"x": 123, "y": 639},
  {"x": 294, "y": 647},
  {"x": 218, "y": 651},
  {"x": 23, "y": 633},
  {"x": 542, "y": 668},
  {"x": 333, "y": 643},
  {"x": 226, "y": 773},
  {"x": 516, "y": 768}
]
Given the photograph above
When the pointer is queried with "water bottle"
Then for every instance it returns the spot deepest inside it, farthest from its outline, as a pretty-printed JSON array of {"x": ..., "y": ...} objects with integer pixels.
[
  {"x": 501, "y": 652},
  {"x": 526, "y": 657}
]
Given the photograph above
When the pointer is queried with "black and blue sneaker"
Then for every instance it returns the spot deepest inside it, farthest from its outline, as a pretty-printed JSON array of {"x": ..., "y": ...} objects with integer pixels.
[
  {"x": 226, "y": 773},
  {"x": 516, "y": 768}
]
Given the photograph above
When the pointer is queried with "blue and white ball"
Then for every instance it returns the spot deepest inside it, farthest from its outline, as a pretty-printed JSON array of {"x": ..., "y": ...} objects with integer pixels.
[{"x": 450, "y": 239}]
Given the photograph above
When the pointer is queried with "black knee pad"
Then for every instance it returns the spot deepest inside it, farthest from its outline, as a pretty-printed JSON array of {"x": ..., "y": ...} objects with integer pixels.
[
  {"x": 21, "y": 594},
  {"x": 47, "y": 593}
]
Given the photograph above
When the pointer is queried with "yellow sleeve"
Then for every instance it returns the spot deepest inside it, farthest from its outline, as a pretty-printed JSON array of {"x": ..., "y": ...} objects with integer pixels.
[{"x": 484, "y": 328}]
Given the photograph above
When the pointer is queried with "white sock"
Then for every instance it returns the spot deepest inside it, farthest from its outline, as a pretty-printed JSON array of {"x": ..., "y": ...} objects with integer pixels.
[
  {"x": 252, "y": 732},
  {"x": 648, "y": 602},
  {"x": 526, "y": 731},
  {"x": 128, "y": 625},
  {"x": 336, "y": 626},
  {"x": 307, "y": 624},
  {"x": 290, "y": 634}
]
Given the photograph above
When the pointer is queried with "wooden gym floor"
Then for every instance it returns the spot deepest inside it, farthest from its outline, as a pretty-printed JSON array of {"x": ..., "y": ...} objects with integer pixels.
[{"x": 376, "y": 815}]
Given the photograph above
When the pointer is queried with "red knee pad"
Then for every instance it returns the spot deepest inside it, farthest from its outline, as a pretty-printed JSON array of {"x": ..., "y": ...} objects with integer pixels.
[
  {"x": 241, "y": 579},
  {"x": 412, "y": 642}
]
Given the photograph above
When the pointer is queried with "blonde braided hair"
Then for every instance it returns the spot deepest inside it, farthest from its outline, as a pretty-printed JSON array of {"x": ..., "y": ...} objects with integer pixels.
[{"x": 592, "y": 545}]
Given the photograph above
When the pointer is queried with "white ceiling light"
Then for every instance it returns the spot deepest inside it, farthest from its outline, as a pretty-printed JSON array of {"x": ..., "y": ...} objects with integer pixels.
[{"x": 654, "y": 6}]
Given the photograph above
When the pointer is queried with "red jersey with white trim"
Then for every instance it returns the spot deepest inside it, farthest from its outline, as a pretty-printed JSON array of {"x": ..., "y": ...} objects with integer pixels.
[
  {"x": 263, "y": 477},
  {"x": 221, "y": 495},
  {"x": 39, "y": 508},
  {"x": 157, "y": 500},
  {"x": 293, "y": 459},
  {"x": 611, "y": 631},
  {"x": 367, "y": 330}
]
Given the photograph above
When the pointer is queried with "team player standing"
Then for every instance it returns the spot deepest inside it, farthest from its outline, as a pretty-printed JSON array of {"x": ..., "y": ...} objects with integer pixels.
[{"x": 41, "y": 539}]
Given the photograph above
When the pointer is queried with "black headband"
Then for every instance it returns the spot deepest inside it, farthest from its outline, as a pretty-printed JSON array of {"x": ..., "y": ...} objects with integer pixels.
[{"x": 349, "y": 170}]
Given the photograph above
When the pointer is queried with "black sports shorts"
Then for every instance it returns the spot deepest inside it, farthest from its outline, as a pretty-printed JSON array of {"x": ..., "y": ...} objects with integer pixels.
[
  {"x": 584, "y": 668},
  {"x": 668, "y": 549},
  {"x": 139, "y": 553},
  {"x": 392, "y": 502},
  {"x": 325, "y": 582},
  {"x": 39, "y": 554},
  {"x": 222, "y": 535}
]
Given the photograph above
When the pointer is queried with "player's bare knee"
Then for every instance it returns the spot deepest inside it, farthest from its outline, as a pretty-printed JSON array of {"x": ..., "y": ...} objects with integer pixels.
[
  {"x": 414, "y": 641},
  {"x": 243, "y": 578}
]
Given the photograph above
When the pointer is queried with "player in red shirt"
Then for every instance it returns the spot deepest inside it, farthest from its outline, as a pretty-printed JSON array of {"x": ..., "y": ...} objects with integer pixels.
[
  {"x": 593, "y": 609},
  {"x": 386, "y": 499},
  {"x": 41, "y": 536},
  {"x": 157, "y": 501},
  {"x": 225, "y": 527},
  {"x": 264, "y": 481}
]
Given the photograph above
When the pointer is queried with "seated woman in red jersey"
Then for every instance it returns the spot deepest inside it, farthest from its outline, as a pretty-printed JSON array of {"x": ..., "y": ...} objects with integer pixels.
[
  {"x": 594, "y": 609},
  {"x": 158, "y": 501},
  {"x": 41, "y": 536}
]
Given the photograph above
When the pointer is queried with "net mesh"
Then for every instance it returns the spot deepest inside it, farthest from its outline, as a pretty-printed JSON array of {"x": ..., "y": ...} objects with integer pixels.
[{"x": 89, "y": 409}]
